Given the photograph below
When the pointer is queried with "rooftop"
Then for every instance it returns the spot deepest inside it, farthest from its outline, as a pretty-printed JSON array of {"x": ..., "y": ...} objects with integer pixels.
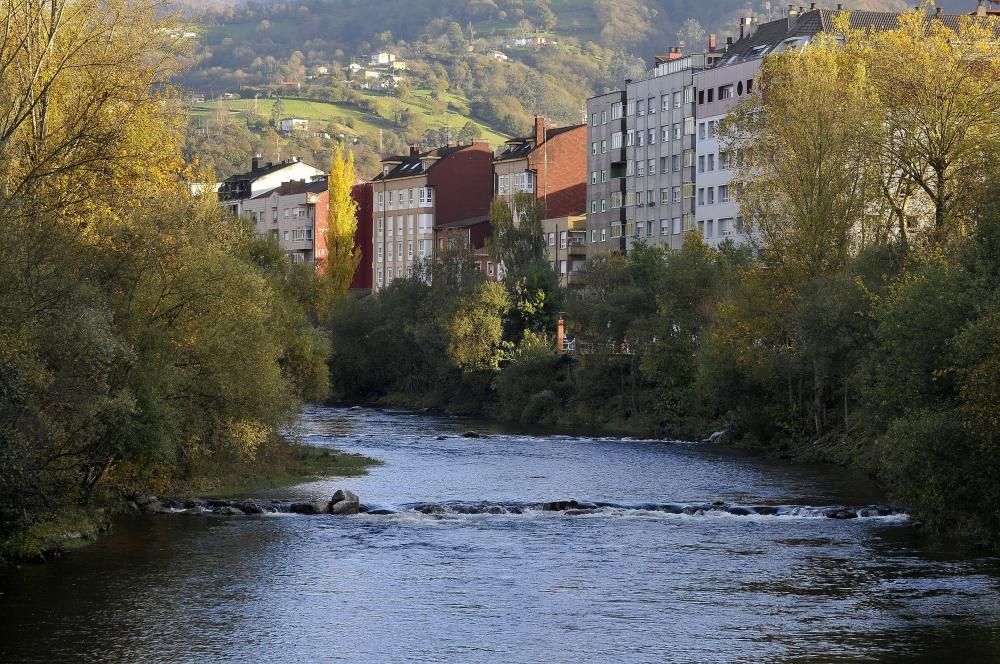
[{"x": 415, "y": 163}]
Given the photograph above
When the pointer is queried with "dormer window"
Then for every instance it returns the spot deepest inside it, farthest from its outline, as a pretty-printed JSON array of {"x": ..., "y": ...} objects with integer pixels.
[{"x": 385, "y": 171}]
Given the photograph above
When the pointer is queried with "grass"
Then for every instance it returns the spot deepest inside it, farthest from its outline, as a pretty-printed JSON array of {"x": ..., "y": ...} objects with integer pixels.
[
  {"x": 350, "y": 120},
  {"x": 68, "y": 529}
]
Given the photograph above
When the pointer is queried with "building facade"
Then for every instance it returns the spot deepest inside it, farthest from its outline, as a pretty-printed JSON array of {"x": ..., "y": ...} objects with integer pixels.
[
  {"x": 606, "y": 184},
  {"x": 660, "y": 153},
  {"x": 262, "y": 177},
  {"x": 426, "y": 198},
  {"x": 295, "y": 215}
]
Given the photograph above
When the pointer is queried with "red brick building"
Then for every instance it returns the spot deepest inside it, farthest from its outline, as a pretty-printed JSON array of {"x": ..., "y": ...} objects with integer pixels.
[
  {"x": 362, "y": 193},
  {"x": 551, "y": 163}
]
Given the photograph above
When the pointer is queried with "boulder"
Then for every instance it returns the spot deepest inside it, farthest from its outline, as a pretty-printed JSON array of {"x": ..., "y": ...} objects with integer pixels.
[
  {"x": 345, "y": 508},
  {"x": 142, "y": 501},
  {"x": 193, "y": 502},
  {"x": 442, "y": 438},
  {"x": 842, "y": 513},
  {"x": 155, "y": 507},
  {"x": 343, "y": 494},
  {"x": 471, "y": 434},
  {"x": 318, "y": 507}
]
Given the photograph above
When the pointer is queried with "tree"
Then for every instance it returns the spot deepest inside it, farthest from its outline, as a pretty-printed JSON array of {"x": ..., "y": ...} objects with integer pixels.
[
  {"x": 277, "y": 110},
  {"x": 518, "y": 239},
  {"x": 475, "y": 332},
  {"x": 468, "y": 133},
  {"x": 342, "y": 256},
  {"x": 691, "y": 36},
  {"x": 804, "y": 177},
  {"x": 938, "y": 95}
]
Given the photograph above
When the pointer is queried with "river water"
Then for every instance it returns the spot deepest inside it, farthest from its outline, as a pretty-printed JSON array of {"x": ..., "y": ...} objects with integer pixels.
[{"x": 626, "y": 582}]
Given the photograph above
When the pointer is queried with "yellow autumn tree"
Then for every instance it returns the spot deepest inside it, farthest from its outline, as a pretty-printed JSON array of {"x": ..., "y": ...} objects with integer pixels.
[{"x": 342, "y": 255}]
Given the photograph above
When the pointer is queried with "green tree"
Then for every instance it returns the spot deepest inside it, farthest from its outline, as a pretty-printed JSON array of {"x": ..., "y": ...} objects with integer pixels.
[{"x": 475, "y": 332}]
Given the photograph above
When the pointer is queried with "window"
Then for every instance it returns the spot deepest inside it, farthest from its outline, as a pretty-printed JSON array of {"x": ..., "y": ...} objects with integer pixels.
[
  {"x": 664, "y": 165},
  {"x": 711, "y": 128},
  {"x": 676, "y": 223},
  {"x": 651, "y": 106},
  {"x": 381, "y": 228},
  {"x": 489, "y": 268},
  {"x": 284, "y": 236},
  {"x": 604, "y": 205},
  {"x": 604, "y": 117},
  {"x": 640, "y": 168},
  {"x": 723, "y": 161},
  {"x": 677, "y": 100},
  {"x": 701, "y": 97},
  {"x": 725, "y": 227},
  {"x": 664, "y": 227},
  {"x": 604, "y": 147},
  {"x": 638, "y": 197},
  {"x": 593, "y": 177},
  {"x": 649, "y": 197},
  {"x": 593, "y": 235},
  {"x": 563, "y": 237},
  {"x": 629, "y": 168},
  {"x": 604, "y": 176},
  {"x": 399, "y": 251},
  {"x": 677, "y": 131},
  {"x": 689, "y": 126},
  {"x": 389, "y": 227},
  {"x": 604, "y": 234},
  {"x": 593, "y": 206},
  {"x": 593, "y": 119},
  {"x": 675, "y": 163},
  {"x": 639, "y": 138},
  {"x": 711, "y": 94},
  {"x": 724, "y": 193},
  {"x": 689, "y": 94},
  {"x": 400, "y": 199},
  {"x": 381, "y": 200},
  {"x": 711, "y": 195},
  {"x": 664, "y": 196},
  {"x": 616, "y": 199},
  {"x": 380, "y": 252},
  {"x": 749, "y": 85},
  {"x": 630, "y": 138},
  {"x": 651, "y": 167},
  {"x": 688, "y": 158},
  {"x": 593, "y": 148},
  {"x": 675, "y": 195},
  {"x": 616, "y": 140},
  {"x": 430, "y": 196},
  {"x": 726, "y": 92},
  {"x": 701, "y": 131},
  {"x": 399, "y": 225},
  {"x": 664, "y": 134},
  {"x": 640, "y": 109},
  {"x": 552, "y": 239},
  {"x": 616, "y": 111},
  {"x": 409, "y": 250},
  {"x": 651, "y": 137},
  {"x": 410, "y": 198},
  {"x": 708, "y": 228},
  {"x": 630, "y": 109},
  {"x": 711, "y": 162},
  {"x": 664, "y": 103},
  {"x": 701, "y": 163}
]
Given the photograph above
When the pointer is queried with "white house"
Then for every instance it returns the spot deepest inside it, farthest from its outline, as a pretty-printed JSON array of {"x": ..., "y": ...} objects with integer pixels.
[{"x": 288, "y": 125}]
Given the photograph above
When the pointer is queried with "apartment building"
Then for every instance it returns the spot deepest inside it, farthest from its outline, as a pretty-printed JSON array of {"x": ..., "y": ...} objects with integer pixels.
[
  {"x": 262, "y": 177},
  {"x": 566, "y": 244},
  {"x": 606, "y": 184},
  {"x": 660, "y": 152},
  {"x": 550, "y": 164},
  {"x": 428, "y": 198},
  {"x": 295, "y": 214}
]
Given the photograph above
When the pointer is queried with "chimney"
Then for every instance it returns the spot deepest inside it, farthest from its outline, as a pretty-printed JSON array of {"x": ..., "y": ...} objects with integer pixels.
[
  {"x": 729, "y": 42},
  {"x": 981, "y": 9},
  {"x": 414, "y": 150},
  {"x": 812, "y": 6},
  {"x": 713, "y": 43},
  {"x": 747, "y": 27},
  {"x": 938, "y": 12},
  {"x": 255, "y": 162},
  {"x": 793, "y": 16},
  {"x": 539, "y": 129}
]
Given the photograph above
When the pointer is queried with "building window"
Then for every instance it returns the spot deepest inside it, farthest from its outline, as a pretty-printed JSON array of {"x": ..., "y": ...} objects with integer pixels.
[
  {"x": 724, "y": 193},
  {"x": 726, "y": 92},
  {"x": 489, "y": 268},
  {"x": 701, "y": 97},
  {"x": 638, "y": 197},
  {"x": 677, "y": 100},
  {"x": 593, "y": 206},
  {"x": 604, "y": 117},
  {"x": 664, "y": 134},
  {"x": 616, "y": 140},
  {"x": 616, "y": 111},
  {"x": 749, "y": 85},
  {"x": 711, "y": 128},
  {"x": 604, "y": 205},
  {"x": 604, "y": 234},
  {"x": 651, "y": 137},
  {"x": 649, "y": 197},
  {"x": 711, "y": 162},
  {"x": 677, "y": 131},
  {"x": 629, "y": 168},
  {"x": 701, "y": 163},
  {"x": 630, "y": 109},
  {"x": 675, "y": 163},
  {"x": 701, "y": 131},
  {"x": 380, "y": 252},
  {"x": 604, "y": 176},
  {"x": 675, "y": 195},
  {"x": 381, "y": 200},
  {"x": 651, "y": 106},
  {"x": 711, "y": 195},
  {"x": 664, "y": 165},
  {"x": 676, "y": 222},
  {"x": 616, "y": 199},
  {"x": 593, "y": 119},
  {"x": 723, "y": 161},
  {"x": 399, "y": 251},
  {"x": 640, "y": 136},
  {"x": 689, "y": 126},
  {"x": 409, "y": 250},
  {"x": 630, "y": 138},
  {"x": 708, "y": 228},
  {"x": 688, "y": 94},
  {"x": 725, "y": 227},
  {"x": 651, "y": 167},
  {"x": 664, "y": 196},
  {"x": 664, "y": 227},
  {"x": 604, "y": 147},
  {"x": 701, "y": 196},
  {"x": 664, "y": 103},
  {"x": 593, "y": 177},
  {"x": 711, "y": 94},
  {"x": 593, "y": 148}
]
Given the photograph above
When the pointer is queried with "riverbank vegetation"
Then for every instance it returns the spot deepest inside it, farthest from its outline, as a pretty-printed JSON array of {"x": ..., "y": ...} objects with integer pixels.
[
  {"x": 146, "y": 339},
  {"x": 857, "y": 324}
]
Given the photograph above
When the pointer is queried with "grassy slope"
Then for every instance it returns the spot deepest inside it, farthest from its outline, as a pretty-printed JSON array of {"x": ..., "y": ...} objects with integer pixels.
[{"x": 351, "y": 120}]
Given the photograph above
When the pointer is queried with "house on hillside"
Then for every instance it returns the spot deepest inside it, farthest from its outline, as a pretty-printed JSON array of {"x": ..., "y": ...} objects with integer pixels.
[
  {"x": 290, "y": 125},
  {"x": 498, "y": 55}
]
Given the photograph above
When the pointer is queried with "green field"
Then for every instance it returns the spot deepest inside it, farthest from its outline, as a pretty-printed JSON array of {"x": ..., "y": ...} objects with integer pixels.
[{"x": 347, "y": 119}]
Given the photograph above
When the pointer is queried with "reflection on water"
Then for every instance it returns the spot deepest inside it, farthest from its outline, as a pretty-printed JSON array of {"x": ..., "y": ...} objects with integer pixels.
[{"x": 611, "y": 585}]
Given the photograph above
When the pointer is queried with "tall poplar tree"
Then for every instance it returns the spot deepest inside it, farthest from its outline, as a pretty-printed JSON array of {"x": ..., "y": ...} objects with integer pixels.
[{"x": 342, "y": 256}]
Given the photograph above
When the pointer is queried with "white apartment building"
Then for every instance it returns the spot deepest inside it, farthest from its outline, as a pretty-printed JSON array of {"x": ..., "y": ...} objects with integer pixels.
[
  {"x": 237, "y": 189},
  {"x": 294, "y": 214}
]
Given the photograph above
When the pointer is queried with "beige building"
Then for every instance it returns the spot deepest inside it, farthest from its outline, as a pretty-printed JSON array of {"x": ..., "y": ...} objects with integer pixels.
[{"x": 566, "y": 241}]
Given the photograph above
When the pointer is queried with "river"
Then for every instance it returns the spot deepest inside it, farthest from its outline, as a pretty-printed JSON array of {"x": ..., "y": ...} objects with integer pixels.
[{"x": 626, "y": 582}]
